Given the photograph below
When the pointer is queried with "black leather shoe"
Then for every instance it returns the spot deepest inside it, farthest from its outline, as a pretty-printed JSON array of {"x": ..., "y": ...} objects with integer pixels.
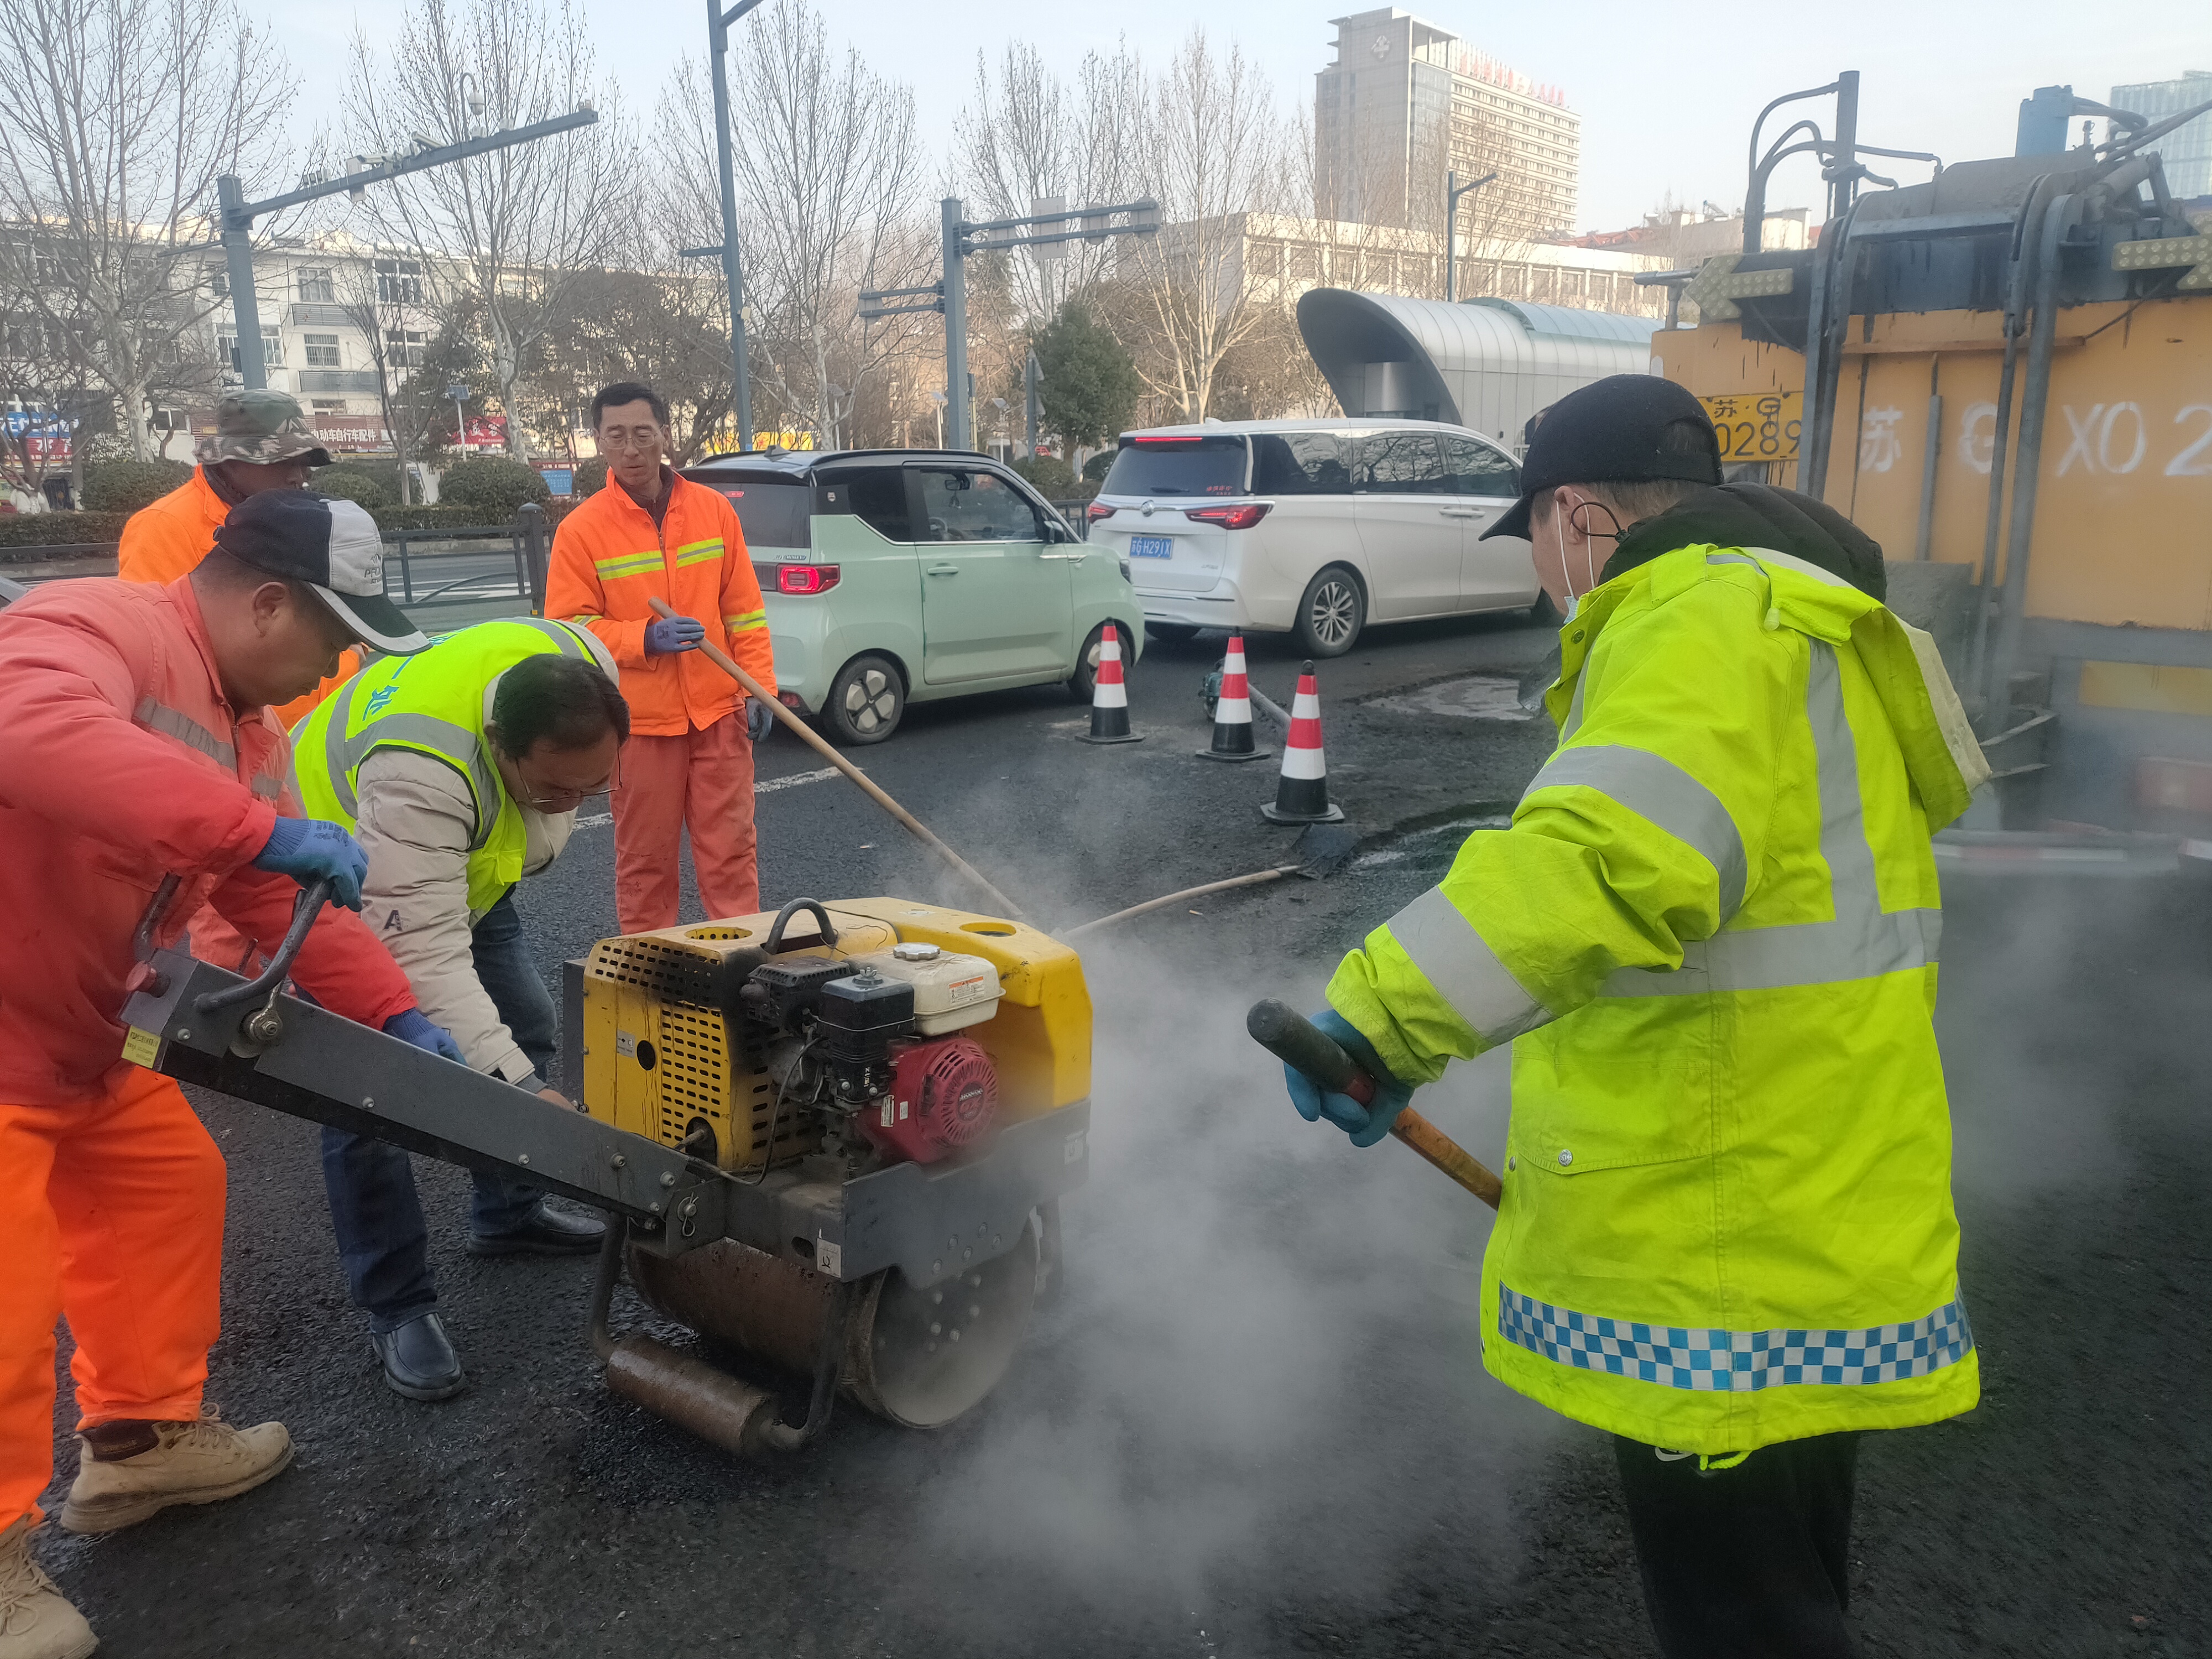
[
  {"x": 419, "y": 1360},
  {"x": 547, "y": 1232}
]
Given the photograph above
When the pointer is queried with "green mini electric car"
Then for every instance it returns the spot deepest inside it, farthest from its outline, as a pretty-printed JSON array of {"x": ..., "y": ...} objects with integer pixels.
[{"x": 902, "y": 575}]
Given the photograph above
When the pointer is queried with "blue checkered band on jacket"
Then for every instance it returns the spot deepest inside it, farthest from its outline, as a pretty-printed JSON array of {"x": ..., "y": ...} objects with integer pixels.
[{"x": 1735, "y": 1362}]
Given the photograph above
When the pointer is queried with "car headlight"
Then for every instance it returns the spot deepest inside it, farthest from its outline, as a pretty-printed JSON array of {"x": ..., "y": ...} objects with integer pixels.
[{"x": 1125, "y": 576}]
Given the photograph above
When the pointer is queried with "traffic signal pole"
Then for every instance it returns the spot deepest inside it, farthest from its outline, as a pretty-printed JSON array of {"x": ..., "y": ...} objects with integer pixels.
[
  {"x": 948, "y": 294},
  {"x": 238, "y": 216}
]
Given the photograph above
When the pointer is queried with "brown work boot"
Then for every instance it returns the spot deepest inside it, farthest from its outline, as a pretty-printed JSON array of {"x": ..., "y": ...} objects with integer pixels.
[
  {"x": 36, "y": 1620},
  {"x": 131, "y": 1471}
]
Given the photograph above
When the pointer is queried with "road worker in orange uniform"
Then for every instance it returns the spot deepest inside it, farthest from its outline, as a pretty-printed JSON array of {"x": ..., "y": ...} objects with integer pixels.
[
  {"x": 136, "y": 743},
  {"x": 689, "y": 760},
  {"x": 262, "y": 441}
]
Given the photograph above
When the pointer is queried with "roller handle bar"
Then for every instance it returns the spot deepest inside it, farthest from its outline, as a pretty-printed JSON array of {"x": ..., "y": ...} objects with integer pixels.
[{"x": 305, "y": 908}]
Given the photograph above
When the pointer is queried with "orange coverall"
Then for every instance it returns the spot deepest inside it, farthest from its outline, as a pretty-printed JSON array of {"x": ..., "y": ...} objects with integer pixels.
[
  {"x": 161, "y": 543},
  {"x": 120, "y": 761},
  {"x": 689, "y": 762}
]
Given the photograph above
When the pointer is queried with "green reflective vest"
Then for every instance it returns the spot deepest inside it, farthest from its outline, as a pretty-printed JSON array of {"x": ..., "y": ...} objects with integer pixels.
[
  {"x": 1710, "y": 936},
  {"x": 433, "y": 702}
]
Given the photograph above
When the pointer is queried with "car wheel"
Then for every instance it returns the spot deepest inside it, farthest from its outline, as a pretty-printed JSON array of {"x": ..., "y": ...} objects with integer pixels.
[
  {"x": 1332, "y": 613},
  {"x": 1172, "y": 633},
  {"x": 866, "y": 701},
  {"x": 1084, "y": 680}
]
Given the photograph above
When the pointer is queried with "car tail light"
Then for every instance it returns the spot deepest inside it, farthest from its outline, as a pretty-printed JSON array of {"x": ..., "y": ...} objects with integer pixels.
[
  {"x": 806, "y": 578},
  {"x": 1098, "y": 510},
  {"x": 1243, "y": 516}
]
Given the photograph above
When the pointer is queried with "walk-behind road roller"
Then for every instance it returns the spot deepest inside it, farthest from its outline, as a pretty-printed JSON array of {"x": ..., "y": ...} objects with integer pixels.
[{"x": 834, "y": 1137}]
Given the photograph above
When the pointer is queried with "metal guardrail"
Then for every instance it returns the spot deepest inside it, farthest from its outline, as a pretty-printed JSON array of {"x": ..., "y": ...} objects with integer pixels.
[
  {"x": 529, "y": 542},
  {"x": 1078, "y": 515}
]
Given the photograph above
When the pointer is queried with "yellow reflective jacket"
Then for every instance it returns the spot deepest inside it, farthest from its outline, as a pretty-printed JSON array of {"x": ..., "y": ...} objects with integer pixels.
[
  {"x": 1711, "y": 935},
  {"x": 433, "y": 702}
]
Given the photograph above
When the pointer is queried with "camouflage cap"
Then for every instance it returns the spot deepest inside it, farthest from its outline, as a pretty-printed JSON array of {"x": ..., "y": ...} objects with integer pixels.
[{"x": 261, "y": 426}]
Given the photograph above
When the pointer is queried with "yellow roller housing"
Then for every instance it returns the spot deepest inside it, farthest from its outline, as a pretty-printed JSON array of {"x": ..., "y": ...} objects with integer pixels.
[{"x": 657, "y": 1051}]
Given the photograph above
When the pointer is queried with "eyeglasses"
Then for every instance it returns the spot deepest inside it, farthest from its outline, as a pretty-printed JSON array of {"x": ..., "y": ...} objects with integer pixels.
[
  {"x": 540, "y": 799},
  {"x": 649, "y": 438}
]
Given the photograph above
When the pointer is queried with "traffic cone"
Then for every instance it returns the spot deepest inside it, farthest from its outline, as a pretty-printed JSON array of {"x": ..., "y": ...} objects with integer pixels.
[
  {"x": 1109, "y": 697},
  {"x": 1232, "y": 711},
  {"x": 1302, "y": 793}
]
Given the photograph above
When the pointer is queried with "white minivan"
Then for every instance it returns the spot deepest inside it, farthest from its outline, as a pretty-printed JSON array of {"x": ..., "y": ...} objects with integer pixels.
[{"x": 1314, "y": 528}]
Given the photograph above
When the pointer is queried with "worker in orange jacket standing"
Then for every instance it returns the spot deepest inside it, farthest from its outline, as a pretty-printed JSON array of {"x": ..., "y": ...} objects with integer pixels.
[
  {"x": 689, "y": 760},
  {"x": 137, "y": 744}
]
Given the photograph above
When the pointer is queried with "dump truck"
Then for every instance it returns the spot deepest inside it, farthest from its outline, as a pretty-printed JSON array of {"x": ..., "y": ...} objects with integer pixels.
[{"x": 2004, "y": 375}]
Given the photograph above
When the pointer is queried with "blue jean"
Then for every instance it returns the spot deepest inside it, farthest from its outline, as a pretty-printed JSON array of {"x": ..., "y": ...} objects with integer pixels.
[{"x": 383, "y": 1242}]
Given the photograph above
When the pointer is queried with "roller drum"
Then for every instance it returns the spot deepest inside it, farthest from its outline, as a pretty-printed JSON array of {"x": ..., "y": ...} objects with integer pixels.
[{"x": 919, "y": 1358}]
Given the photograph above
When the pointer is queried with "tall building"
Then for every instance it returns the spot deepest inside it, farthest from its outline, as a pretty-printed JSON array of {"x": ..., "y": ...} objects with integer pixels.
[
  {"x": 1405, "y": 102},
  {"x": 2187, "y": 150}
]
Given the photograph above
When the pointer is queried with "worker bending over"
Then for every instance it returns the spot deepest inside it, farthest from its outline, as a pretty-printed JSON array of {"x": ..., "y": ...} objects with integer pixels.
[
  {"x": 1727, "y": 1234},
  {"x": 460, "y": 771},
  {"x": 647, "y": 535},
  {"x": 137, "y": 744}
]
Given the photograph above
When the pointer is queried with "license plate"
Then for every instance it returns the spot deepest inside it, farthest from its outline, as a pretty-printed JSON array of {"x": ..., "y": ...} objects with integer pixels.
[{"x": 1151, "y": 547}]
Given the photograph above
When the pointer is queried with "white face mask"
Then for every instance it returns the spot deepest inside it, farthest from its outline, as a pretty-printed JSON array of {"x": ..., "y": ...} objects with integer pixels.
[{"x": 1589, "y": 562}]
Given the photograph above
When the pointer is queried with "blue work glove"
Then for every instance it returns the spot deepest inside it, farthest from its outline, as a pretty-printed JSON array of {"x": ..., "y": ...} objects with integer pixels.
[
  {"x": 1365, "y": 1125},
  {"x": 412, "y": 1025},
  {"x": 672, "y": 634},
  {"x": 760, "y": 718},
  {"x": 311, "y": 849}
]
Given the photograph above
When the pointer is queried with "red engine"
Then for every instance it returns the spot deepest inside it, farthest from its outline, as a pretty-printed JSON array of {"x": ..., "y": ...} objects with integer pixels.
[{"x": 944, "y": 1095}]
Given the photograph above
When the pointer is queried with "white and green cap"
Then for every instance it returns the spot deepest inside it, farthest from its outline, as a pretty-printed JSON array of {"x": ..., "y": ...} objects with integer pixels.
[{"x": 333, "y": 546}]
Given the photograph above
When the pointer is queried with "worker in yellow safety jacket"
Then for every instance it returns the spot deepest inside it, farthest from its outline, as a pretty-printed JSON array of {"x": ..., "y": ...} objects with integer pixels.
[{"x": 1727, "y": 1235}]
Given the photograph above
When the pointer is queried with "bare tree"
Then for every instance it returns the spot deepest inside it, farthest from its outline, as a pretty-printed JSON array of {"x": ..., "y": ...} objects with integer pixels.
[
  {"x": 120, "y": 117},
  {"x": 830, "y": 177},
  {"x": 521, "y": 224},
  {"x": 1213, "y": 155},
  {"x": 1029, "y": 138}
]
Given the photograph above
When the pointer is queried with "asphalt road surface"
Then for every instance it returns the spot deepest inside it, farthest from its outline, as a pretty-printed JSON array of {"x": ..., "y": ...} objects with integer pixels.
[{"x": 1257, "y": 1423}]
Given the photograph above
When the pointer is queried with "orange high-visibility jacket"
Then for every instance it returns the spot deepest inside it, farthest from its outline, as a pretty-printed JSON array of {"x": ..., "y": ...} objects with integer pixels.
[
  {"x": 610, "y": 559},
  {"x": 168, "y": 539}
]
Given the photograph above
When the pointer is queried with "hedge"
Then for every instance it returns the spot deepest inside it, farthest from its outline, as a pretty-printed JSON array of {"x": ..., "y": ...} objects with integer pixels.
[
  {"x": 494, "y": 486},
  {"x": 126, "y": 486},
  {"x": 375, "y": 485},
  {"x": 27, "y": 537}
]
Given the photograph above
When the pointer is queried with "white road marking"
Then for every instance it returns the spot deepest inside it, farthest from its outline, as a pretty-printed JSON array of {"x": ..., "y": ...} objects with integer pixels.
[{"x": 765, "y": 786}]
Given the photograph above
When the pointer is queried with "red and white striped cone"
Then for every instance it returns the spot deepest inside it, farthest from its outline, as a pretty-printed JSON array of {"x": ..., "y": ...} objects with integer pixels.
[
  {"x": 1302, "y": 793},
  {"x": 1109, "y": 696},
  {"x": 1232, "y": 711}
]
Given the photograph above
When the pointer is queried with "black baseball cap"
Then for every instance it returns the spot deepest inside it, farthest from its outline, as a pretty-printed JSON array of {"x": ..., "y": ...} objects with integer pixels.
[
  {"x": 1626, "y": 429},
  {"x": 333, "y": 546}
]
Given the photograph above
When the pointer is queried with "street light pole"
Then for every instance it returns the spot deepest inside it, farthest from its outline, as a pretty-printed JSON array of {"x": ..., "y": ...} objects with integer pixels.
[
  {"x": 1453, "y": 190},
  {"x": 718, "y": 45}
]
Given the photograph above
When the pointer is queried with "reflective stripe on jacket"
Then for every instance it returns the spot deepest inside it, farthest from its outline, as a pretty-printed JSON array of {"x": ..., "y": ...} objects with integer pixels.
[
  {"x": 609, "y": 560},
  {"x": 1710, "y": 936},
  {"x": 433, "y": 702},
  {"x": 121, "y": 762},
  {"x": 168, "y": 538}
]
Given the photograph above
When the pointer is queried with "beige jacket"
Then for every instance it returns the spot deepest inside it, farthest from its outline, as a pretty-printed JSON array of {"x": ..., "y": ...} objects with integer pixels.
[{"x": 415, "y": 823}]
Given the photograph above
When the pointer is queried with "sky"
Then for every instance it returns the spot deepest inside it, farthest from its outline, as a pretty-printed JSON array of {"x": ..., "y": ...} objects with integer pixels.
[{"x": 1667, "y": 96}]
